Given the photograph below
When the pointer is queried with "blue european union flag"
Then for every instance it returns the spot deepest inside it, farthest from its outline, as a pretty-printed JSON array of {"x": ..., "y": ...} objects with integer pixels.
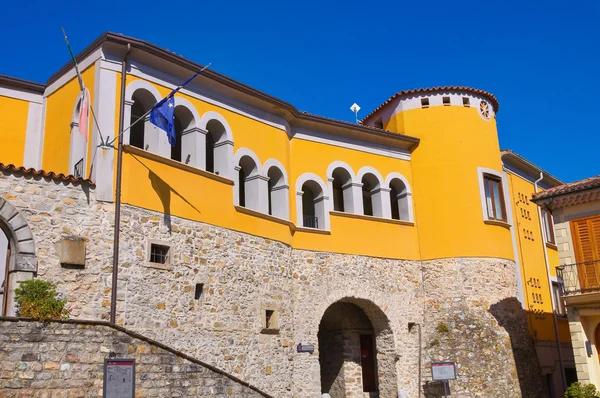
[{"x": 163, "y": 117}]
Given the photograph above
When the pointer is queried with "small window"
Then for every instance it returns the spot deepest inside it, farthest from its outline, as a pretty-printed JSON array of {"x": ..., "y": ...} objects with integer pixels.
[
  {"x": 159, "y": 254},
  {"x": 270, "y": 322},
  {"x": 466, "y": 102},
  {"x": 379, "y": 124},
  {"x": 548, "y": 227},
  {"x": 559, "y": 303},
  {"x": 494, "y": 197},
  {"x": 269, "y": 319},
  {"x": 424, "y": 102},
  {"x": 199, "y": 293},
  {"x": 446, "y": 101}
]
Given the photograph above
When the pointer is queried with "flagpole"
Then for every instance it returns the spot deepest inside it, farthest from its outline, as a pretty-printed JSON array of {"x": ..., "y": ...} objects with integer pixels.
[{"x": 115, "y": 273}]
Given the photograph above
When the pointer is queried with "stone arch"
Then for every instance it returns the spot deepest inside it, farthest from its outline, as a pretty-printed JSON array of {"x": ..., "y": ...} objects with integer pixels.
[
  {"x": 350, "y": 356},
  {"x": 279, "y": 199},
  {"x": 23, "y": 258},
  {"x": 320, "y": 199},
  {"x": 398, "y": 186},
  {"x": 212, "y": 115}
]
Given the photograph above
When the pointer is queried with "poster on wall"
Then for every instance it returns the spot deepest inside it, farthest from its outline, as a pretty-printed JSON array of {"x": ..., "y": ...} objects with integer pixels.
[
  {"x": 119, "y": 378},
  {"x": 443, "y": 371}
]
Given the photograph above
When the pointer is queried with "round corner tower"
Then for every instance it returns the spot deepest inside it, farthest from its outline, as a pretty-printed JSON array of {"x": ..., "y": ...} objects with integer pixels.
[{"x": 463, "y": 215}]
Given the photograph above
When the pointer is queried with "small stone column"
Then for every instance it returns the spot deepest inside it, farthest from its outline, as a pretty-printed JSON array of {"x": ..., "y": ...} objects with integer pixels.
[
  {"x": 193, "y": 147},
  {"x": 380, "y": 199},
  {"x": 353, "y": 198},
  {"x": 127, "y": 122},
  {"x": 257, "y": 191},
  {"x": 224, "y": 158},
  {"x": 280, "y": 202},
  {"x": 151, "y": 137}
]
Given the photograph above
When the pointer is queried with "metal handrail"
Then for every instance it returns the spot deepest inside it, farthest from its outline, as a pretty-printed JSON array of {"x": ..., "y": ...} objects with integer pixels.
[
  {"x": 579, "y": 278},
  {"x": 311, "y": 222}
]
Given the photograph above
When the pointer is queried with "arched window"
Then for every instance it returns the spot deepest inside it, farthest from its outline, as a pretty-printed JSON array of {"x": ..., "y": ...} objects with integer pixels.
[
  {"x": 399, "y": 200},
  {"x": 143, "y": 134},
  {"x": 218, "y": 148},
  {"x": 312, "y": 202},
  {"x": 251, "y": 187},
  {"x": 78, "y": 143},
  {"x": 184, "y": 121},
  {"x": 278, "y": 190},
  {"x": 372, "y": 200},
  {"x": 342, "y": 190}
]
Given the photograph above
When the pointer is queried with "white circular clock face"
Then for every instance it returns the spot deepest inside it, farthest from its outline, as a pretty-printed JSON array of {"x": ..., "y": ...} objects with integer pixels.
[{"x": 484, "y": 109}]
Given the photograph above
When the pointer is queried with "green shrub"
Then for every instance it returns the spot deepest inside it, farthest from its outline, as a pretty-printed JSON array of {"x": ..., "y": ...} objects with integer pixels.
[
  {"x": 39, "y": 299},
  {"x": 578, "y": 390},
  {"x": 442, "y": 328}
]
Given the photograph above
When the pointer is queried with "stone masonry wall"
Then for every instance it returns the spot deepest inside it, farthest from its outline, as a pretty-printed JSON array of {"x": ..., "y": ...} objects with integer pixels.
[
  {"x": 244, "y": 275},
  {"x": 66, "y": 359},
  {"x": 475, "y": 320}
]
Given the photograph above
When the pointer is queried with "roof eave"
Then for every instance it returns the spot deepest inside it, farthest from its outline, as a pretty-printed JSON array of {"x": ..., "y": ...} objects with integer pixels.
[
  {"x": 531, "y": 166},
  {"x": 21, "y": 84}
]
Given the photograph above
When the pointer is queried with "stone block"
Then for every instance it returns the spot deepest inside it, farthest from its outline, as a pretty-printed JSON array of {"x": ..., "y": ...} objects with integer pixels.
[{"x": 72, "y": 251}]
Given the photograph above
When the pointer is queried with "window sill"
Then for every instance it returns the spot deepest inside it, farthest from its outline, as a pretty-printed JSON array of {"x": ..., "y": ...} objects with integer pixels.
[
  {"x": 264, "y": 216},
  {"x": 551, "y": 246},
  {"x": 269, "y": 331},
  {"x": 178, "y": 165},
  {"x": 371, "y": 218},
  {"x": 498, "y": 223},
  {"x": 313, "y": 230},
  {"x": 165, "y": 267}
]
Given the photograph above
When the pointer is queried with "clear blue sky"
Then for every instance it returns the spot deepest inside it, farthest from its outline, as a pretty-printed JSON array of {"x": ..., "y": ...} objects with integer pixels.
[{"x": 540, "y": 58}]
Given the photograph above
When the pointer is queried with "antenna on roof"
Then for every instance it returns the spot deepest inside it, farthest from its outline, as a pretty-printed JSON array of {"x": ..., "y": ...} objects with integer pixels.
[{"x": 355, "y": 108}]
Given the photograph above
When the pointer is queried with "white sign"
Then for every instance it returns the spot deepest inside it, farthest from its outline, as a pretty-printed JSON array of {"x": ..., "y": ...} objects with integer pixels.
[
  {"x": 443, "y": 371},
  {"x": 119, "y": 378}
]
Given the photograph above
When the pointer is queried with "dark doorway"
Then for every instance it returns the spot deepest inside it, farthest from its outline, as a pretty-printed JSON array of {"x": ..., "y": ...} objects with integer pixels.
[{"x": 367, "y": 355}]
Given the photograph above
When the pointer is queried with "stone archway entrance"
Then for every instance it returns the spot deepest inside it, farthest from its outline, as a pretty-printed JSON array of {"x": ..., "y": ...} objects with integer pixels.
[{"x": 356, "y": 351}]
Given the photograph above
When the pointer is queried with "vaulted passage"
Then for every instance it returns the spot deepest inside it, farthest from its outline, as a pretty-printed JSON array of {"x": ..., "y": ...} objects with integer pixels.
[{"x": 354, "y": 353}]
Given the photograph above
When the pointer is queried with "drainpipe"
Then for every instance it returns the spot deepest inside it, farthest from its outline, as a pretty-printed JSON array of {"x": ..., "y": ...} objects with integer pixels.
[
  {"x": 115, "y": 273},
  {"x": 554, "y": 317}
]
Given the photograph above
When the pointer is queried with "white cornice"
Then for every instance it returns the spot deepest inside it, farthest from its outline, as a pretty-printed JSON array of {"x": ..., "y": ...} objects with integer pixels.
[
  {"x": 20, "y": 95},
  {"x": 64, "y": 79}
]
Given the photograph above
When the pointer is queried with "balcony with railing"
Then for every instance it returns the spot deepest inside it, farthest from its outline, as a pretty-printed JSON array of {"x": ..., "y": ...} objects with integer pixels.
[
  {"x": 580, "y": 278},
  {"x": 311, "y": 222}
]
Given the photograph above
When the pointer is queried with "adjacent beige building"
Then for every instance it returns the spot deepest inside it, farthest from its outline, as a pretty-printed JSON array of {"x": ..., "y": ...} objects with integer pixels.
[{"x": 575, "y": 208}]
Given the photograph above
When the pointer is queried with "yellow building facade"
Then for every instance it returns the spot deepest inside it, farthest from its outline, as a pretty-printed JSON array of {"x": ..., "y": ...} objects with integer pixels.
[{"x": 421, "y": 183}]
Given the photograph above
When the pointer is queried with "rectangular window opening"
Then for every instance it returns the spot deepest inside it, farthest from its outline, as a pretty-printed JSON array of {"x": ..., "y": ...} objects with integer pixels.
[
  {"x": 424, "y": 102},
  {"x": 466, "y": 102},
  {"x": 159, "y": 253},
  {"x": 446, "y": 101},
  {"x": 548, "y": 224},
  {"x": 199, "y": 291},
  {"x": 559, "y": 303}
]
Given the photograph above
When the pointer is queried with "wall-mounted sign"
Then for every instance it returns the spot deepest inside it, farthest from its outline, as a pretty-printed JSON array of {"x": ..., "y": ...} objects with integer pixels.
[
  {"x": 119, "y": 378},
  {"x": 443, "y": 371},
  {"x": 306, "y": 348}
]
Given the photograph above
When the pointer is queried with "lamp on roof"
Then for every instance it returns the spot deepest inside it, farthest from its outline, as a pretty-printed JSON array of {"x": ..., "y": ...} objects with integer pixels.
[{"x": 355, "y": 108}]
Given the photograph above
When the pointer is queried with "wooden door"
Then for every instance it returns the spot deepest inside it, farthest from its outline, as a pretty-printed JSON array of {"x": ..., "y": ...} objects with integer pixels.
[
  {"x": 367, "y": 362},
  {"x": 586, "y": 243},
  {"x": 597, "y": 337},
  {"x": 3, "y": 301}
]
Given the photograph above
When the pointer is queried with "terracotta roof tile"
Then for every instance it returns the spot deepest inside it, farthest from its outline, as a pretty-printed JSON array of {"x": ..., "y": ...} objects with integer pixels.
[
  {"x": 581, "y": 185},
  {"x": 11, "y": 168},
  {"x": 490, "y": 96}
]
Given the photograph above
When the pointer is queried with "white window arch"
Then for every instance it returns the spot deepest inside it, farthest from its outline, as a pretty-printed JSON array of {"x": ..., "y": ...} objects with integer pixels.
[
  {"x": 279, "y": 199},
  {"x": 189, "y": 147},
  {"x": 78, "y": 143},
  {"x": 218, "y": 154},
  {"x": 140, "y": 97},
  {"x": 400, "y": 198},
  {"x": 312, "y": 202},
  {"x": 374, "y": 193},
  {"x": 345, "y": 189},
  {"x": 251, "y": 186}
]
